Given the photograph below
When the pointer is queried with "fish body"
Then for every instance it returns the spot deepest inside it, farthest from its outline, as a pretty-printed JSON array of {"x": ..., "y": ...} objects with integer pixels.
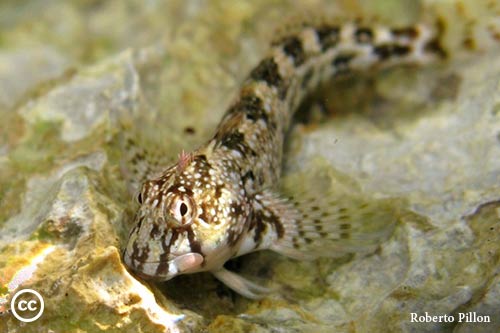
[{"x": 221, "y": 200}]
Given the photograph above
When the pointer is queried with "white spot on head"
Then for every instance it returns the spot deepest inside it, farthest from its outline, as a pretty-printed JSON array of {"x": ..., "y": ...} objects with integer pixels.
[{"x": 236, "y": 153}]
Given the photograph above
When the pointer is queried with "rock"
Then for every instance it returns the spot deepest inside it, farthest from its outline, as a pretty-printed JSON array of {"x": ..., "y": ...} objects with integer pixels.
[
  {"x": 88, "y": 99},
  {"x": 22, "y": 70}
]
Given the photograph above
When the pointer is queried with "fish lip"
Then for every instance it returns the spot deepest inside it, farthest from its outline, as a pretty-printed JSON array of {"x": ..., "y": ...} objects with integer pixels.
[
  {"x": 139, "y": 270},
  {"x": 179, "y": 264},
  {"x": 153, "y": 262}
]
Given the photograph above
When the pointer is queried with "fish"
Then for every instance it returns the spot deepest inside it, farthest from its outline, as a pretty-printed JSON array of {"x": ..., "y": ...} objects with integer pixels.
[{"x": 223, "y": 199}]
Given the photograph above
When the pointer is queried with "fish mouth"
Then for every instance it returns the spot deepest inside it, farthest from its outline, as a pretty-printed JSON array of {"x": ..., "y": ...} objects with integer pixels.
[
  {"x": 149, "y": 277},
  {"x": 148, "y": 270}
]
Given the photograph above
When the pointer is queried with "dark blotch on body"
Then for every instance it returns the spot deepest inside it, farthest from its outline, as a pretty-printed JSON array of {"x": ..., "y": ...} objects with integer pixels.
[
  {"x": 218, "y": 191},
  {"x": 341, "y": 62},
  {"x": 155, "y": 231},
  {"x": 292, "y": 46},
  {"x": 260, "y": 228},
  {"x": 248, "y": 179},
  {"x": 248, "y": 176},
  {"x": 260, "y": 222},
  {"x": 268, "y": 71},
  {"x": 328, "y": 36},
  {"x": 409, "y": 32},
  {"x": 385, "y": 51},
  {"x": 201, "y": 160},
  {"x": 280, "y": 230},
  {"x": 175, "y": 190},
  {"x": 434, "y": 46},
  {"x": 204, "y": 214},
  {"x": 252, "y": 107},
  {"x": 236, "y": 141},
  {"x": 363, "y": 35}
]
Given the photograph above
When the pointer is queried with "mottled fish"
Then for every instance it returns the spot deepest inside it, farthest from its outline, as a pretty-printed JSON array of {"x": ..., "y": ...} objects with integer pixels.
[{"x": 221, "y": 200}]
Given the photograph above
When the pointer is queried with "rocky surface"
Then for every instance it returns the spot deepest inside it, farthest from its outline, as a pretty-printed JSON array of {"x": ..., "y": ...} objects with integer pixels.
[{"x": 428, "y": 139}]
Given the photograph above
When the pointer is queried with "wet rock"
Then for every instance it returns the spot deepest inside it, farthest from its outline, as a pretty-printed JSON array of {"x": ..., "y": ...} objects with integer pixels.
[
  {"x": 22, "y": 70},
  {"x": 89, "y": 99},
  {"x": 52, "y": 199}
]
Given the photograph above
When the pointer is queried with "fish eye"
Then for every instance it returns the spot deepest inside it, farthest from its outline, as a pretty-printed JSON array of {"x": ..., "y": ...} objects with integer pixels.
[
  {"x": 139, "y": 198},
  {"x": 183, "y": 209}
]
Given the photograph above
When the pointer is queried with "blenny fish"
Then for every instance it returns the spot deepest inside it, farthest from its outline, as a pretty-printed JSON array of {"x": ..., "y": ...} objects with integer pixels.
[{"x": 222, "y": 200}]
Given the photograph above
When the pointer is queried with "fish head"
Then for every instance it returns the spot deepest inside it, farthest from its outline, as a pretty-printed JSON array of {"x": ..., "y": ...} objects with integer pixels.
[{"x": 189, "y": 220}]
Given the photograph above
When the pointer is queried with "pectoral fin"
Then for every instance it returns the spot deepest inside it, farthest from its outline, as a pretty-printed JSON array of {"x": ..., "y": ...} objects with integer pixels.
[
  {"x": 324, "y": 217},
  {"x": 241, "y": 285},
  {"x": 328, "y": 218}
]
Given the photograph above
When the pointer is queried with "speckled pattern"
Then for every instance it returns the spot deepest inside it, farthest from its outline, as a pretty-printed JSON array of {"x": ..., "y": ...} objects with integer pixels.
[{"x": 218, "y": 202}]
